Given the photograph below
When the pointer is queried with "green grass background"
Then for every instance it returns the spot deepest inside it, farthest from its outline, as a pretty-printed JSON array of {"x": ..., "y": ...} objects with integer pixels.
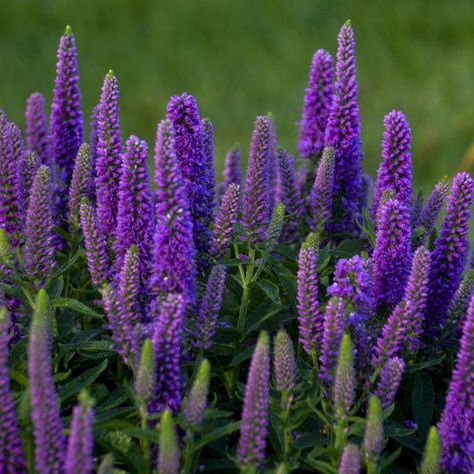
[{"x": 241, "y": 58}]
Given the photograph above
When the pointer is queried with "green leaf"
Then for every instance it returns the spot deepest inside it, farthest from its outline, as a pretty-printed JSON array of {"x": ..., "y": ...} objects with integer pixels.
[
  {"x": 76, "y": 306},
  {"x": 89, "y": 346},
  {"x": 309, "y": 440},
  {"x": 423, "y": 399},
  {"x": 270, "y": 289},
  {"x": 217, "y": 434},
  {"x": 66, "y": 266},
  {"x": 263, "y": 316},
  {"x": 81, "y": 381},
  {"x": 244, "y": 355}
]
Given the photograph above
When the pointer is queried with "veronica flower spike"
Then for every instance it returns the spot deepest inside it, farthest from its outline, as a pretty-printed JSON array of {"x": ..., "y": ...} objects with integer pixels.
[
  {"x": 456, "y": 428},
  {"x": 257, "y": 198},
  {"x": 253, "y": 429},
  {"x": 450, "y": 252},
  {"x": 343, "y": 134},
  {"x": 395, "y": 171},
  {"x": 173, "y": 265},
  {"x": 37, "y": 137},
  {"x": 11, "y": 451},
  {"x": 66, "y": 124},
  {"x": 50, "y": 444},
  {"x": 79, "y": 458},
  {"x": 108, "y": 160},
  {"x": 317, "y": 105}
]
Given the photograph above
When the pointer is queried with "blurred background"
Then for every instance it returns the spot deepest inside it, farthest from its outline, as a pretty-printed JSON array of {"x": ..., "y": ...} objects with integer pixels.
[{"x": 247, "y": 57}]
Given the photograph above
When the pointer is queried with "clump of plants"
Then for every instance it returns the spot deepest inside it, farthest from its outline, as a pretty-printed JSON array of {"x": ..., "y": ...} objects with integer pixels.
[{"x": 298, "y": 319}]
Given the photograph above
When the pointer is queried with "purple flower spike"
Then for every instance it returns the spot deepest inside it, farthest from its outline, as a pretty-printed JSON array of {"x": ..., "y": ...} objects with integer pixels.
[
  {"x": 135, "y": 207},
  {"x": 79, "y": 459},
  {"x": 389, "y": 380},
  {"x": 209, "y": 309},
  {"x": 50, "y": 443},
  {"x": 322, "y": 192},
  {"x": 309, "y": 317},
  {"x": 395, "y": 171},
  {"x": 456, "y": 428},
  {"x": 208, "y": 181},
  {"x": 350, "y": 460},
  {"x": 173, "y": 262},
  {"x": 404, "y": 326},
  {"x": 431, "y": 210},
  {"x": 11, "y": 452},
  {"x": 344, "y": 381},
  {"x": 343, "y": 134},
  {"x": 253, "y": 429},
  {"x": 93, "y": 142},
  {"x": 125, "y": 314},
  {"x": 183, "y": 114},
  {"x": 9, "y": 206},
  {"x": 226, "y": 218},
  {"x": 80, "y": 181},
  {"x": 166, "y": 341},
  {"x": 37, "y": 137},
  {"x": 96, "y": 247},
  {"x": 317, "y": 104},
  {"x": 39, "y": 247},
  {"x": 109, "y": 156},
  {"x": 461, "y": 299},
  {"x": 391, "y": 257},
  {"x": 66, "y": 124},
  {"x": 450, "y": 252},
  {"x": 284, "y": 364},
  {"x": 257, "y": 200},
  {"x": 232, "y": 171},
  {"x": 331, "y": 342},
  {"x": 288, "y": 193},
  {"x": 26, "y": 172}
]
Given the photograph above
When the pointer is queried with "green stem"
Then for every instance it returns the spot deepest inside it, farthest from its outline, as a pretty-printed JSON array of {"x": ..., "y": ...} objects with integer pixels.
[
  {"x": 188, "y": 453},
  {"x": 144, "y": 442}
]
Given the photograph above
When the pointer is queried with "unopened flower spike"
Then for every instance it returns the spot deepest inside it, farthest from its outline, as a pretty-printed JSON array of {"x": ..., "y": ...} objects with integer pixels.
[
  {"x": 288, "y": 194},
  {"x": 350, "y": 460},
  {"x": 284, "y": 365},
  {"x": 226, "y": 218},
  {"x": 206, "y": 322},
  {"x": 431, "y": 455},
  {"x": 253, "y": 428},
  {"x": 344, "y": 382},
  {"x": 168, "y": 450},
  {"x": 310, "y": 319},
  {"x": 80, "y": 182},
  {"x": 95, "y": 244},
  {"x": 197, "y": 400},
  {"x": 322, "y": 191},
  {"x": 50, "y": 443},
  {"x": 373, "y": 434},
  {"x": 79, "y": 454},
  {"x": 145, "y": 379}
]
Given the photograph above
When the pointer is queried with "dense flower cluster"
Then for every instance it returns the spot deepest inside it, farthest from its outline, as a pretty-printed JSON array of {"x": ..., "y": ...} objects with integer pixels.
[{"x": 142, "y": 327}]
